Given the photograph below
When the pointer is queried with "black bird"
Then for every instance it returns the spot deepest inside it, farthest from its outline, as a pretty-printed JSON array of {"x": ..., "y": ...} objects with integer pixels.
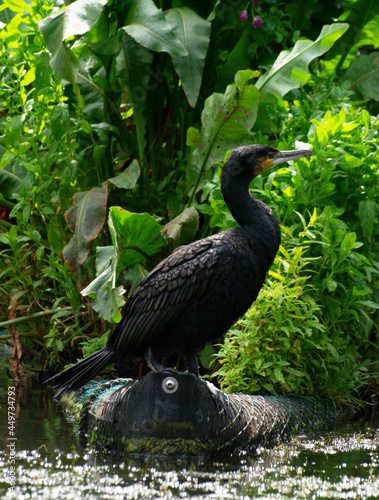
[{"x": 198, "y": 292}]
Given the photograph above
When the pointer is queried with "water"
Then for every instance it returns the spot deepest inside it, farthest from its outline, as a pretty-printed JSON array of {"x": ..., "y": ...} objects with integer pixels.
[{"x": 51, "y": 463}]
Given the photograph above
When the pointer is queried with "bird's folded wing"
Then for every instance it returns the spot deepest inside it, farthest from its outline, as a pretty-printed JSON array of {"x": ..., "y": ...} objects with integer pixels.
[{"x": 177, "y": 284}]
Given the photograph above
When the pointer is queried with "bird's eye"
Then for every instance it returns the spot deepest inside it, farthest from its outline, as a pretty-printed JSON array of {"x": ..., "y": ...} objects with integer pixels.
[{"x": 270, "y": 155}]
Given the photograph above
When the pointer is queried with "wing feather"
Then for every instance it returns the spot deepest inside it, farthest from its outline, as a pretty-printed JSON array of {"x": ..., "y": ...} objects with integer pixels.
[{"x": 178, "y": 283}]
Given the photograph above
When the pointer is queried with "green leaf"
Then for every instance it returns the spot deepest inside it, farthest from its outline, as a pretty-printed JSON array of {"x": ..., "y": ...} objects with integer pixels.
[
  {"x": 103, "y": 258},
  {"x": 238, "y": 59},
  {"x": 73, "y": 20},
  {"x": 183, "y": 228},
  {"x": 60, "y": 120},
  {"x": 128, "y": 178},
  {"x": 13, "y": 131},
  {"x": 135, "y": 236},
  {"x": 85, "y": 219},
  {"x": 366, "y": 214},
  {"x": 55, "y": 234},
  {"x": 289, "y": 70},
  {"x": 11, "y": 174},
  {"x": 29, "y": 77},
  {"x": 370, "y": 304},
  {"x": 348, "y": 162},
  {"x": 331, "y": 285},
  {"x": 17, "y": 5},
  {"x": 131, "y": 66},
  {"x": 364, "y": 75},
  {"x": 227, "y": 120},
  {"x": 148, "y": 26},
  {"x": 108, "y": 298},
  {"x": 206, "y": 355},
  {"x": 193, "y": 137},
  {"x": 279, "y": 375},
  {"x": 194, "y": 34},
  {"x": 362, "y": 17},
  {"x": 43, "y": 72},
  {"x": 347, "y": 245}
]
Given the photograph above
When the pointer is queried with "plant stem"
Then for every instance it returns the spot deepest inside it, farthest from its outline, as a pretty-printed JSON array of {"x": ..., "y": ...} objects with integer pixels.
[
  {"x": 35, "y": 315},
  {"x": 6, "y": 224},
  {"x": 6, "y": 203},
  {"x": 21, "y": 334}
]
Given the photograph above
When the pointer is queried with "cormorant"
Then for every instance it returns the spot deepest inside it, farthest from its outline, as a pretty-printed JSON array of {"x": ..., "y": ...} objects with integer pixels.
[{"x": 198, "y": 292}]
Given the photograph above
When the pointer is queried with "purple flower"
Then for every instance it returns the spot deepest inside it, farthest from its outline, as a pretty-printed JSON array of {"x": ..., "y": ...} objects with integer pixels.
[
  {"x": 257, "y": 21},
  {"x": 254, "y": 2},
  {"x": 243, "y": 15}
]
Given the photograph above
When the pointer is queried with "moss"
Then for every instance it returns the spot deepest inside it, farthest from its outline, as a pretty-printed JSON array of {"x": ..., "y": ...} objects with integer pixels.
[{"x": 153, "y": 445}]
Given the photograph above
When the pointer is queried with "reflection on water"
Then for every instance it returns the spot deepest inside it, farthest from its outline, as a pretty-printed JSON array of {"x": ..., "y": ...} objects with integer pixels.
[{"x": 51, "y": 463}]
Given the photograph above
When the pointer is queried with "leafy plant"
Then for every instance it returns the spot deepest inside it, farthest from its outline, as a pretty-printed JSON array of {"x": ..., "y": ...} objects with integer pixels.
[
  {"x": 279, "y": 345},
  {"x": 287, "y": 341},
  {"x": 136, "y": 105},
  {"x": 135, "y": 238},
  {"x": 339, "y": 186},
  {"x": 40, "y": 170}
]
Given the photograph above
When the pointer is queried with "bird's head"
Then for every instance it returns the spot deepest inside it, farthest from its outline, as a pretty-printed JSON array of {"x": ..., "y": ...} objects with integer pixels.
[{"x": 249, "y": 161}]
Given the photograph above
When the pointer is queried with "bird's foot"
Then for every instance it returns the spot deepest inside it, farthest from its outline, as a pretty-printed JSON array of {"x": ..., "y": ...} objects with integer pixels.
[
  {"x": 152, "y": 363},
  {"x": 192, "y": 363}
]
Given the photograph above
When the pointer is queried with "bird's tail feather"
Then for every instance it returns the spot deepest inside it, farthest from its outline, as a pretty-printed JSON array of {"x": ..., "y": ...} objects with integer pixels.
[{"x": 82, "y": 372}]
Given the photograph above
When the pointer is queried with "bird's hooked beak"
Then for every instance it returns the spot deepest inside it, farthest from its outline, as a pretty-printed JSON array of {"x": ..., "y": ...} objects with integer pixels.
[{"x": 283, "y": 156}]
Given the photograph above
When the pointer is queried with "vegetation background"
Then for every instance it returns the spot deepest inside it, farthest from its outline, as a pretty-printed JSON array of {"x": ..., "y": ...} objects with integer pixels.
[{"x": 116, "y": 117}]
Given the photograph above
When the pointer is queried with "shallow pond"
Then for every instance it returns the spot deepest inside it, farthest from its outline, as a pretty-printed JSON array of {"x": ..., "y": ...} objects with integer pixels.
[{"x": 49, "y": 463}]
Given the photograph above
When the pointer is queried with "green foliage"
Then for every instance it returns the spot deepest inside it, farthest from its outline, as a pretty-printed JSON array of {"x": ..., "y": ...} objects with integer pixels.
[
  {"x": 280, "y": 344},
  {"x": 85, "y": 219},
  {"x": 135, "y": 237},
  {"x": 38, "y": 176},
  {"x": 302, "y": 336},
  {"x": 136, "y": 105},
  {"x": 194, "y": 34},
  {"x": 290, "y": 70},
  {"x": 227, "y": 120},
  {"x": 341, "y": 257},
  {"x": 364, "y": 75}
]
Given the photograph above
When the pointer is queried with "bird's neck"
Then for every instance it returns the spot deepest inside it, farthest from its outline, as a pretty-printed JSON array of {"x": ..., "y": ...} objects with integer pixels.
[{"x": 246, "y": 210}]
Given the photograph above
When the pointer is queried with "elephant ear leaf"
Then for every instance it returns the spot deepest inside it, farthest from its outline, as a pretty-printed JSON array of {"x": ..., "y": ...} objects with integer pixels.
[
  {"x": 85, "y": 219},
  {"x": 135, "y": 237}
]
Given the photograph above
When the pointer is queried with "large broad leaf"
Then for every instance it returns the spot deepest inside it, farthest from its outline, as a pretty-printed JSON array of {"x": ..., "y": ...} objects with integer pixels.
[
  {"x": 131, "y": 65},
  {"x": 135, "y": 237},
  {"x": 290, "y": 70},
  {"x": 194, "y": 34},
  {"x": 226, "y": 120},
  {"x": 108, "y": 297},
  {"x": 183, "y": 228},
  {"x": 75, "y": 19},
  {"x": 364, "y": 75},
  {"x": 148, "y": 26},
  {"x": 85, "y": 219},
  {"x": 128, "y": 178}
]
